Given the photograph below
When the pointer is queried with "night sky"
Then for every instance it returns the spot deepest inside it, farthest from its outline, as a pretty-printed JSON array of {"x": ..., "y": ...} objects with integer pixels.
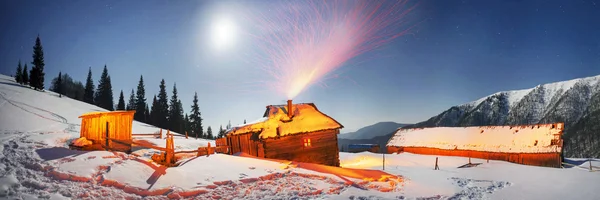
[{"x": 460, "y": 51}]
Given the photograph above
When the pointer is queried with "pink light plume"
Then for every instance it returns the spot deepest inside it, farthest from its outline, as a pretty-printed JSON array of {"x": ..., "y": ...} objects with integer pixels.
[{"x": 302, "y": 42}]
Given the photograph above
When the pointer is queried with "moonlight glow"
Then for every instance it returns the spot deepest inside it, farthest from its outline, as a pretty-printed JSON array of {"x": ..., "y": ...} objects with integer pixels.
[{"x": 223, "y": 33}]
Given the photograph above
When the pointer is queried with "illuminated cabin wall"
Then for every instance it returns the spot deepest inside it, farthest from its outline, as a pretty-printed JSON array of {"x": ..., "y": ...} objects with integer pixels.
[
  {"x": 539, "y": 145},
  {"x": 318, "y": 147},
  {"x": 308, "y": 136},
  {"x": 93, "y": 128}
]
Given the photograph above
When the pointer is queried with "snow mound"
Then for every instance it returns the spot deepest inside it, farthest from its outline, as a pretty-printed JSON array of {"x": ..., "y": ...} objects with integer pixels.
[{"x": 80, "y": 142}]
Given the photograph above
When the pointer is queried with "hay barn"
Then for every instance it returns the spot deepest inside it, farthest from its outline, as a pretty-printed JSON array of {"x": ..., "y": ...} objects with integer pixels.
[
  {"x": 94, "y": 127},
  {"x": 539, "y": 145},
  {"x": 304, "y": 135}
]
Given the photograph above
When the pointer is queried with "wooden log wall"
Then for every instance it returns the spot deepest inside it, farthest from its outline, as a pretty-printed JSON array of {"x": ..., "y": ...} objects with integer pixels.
[
  {"x": 536, "y": 159},
  {"x": 244, "y": 143},
  {"x": 323, "y": 148}
]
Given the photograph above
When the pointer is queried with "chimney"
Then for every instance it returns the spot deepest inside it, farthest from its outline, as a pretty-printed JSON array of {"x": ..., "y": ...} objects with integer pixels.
[{"x": 289, "y": 108}]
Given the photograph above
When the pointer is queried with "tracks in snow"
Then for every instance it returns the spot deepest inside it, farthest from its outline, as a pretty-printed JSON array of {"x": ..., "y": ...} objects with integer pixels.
[{"x": 55, "y": 117}]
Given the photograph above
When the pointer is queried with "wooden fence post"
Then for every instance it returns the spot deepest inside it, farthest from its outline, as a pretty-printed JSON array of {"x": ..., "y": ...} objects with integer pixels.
[
  {"x": 160, "y": 134},
  {"x": 590, "y": 164},
  {"x": 186, "y": 135},
  {"x": 208, "y": 150},
  {"x": 383, "y": 160},
  {"x": 436, "y": 164}
]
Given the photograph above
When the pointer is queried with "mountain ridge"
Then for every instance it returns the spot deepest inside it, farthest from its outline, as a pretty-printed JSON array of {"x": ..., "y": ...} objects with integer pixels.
[
  {"x": 575, "y": 102},
  {"x": 373, "y": 130}
]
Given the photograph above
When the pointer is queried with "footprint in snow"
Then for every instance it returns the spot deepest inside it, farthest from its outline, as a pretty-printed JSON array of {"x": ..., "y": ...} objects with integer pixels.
[{"x": 242, "y": 175}]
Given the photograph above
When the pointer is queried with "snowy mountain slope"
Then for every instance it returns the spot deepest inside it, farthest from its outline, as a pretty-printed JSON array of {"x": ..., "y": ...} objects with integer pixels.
[{"x": 567, "y": 101}]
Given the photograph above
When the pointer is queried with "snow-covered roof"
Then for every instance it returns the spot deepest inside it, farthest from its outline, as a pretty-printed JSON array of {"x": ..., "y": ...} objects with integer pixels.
[
  {"x": 513, "y": 139},
  {"x": 306, "y": 118},
  {"x": 95, "y": 114}
]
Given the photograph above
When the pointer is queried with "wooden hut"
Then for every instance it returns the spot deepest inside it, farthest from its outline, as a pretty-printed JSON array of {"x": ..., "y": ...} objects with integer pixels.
[
  {"x": 539, "y": 145},
  {"x": 296, "y": 132},
  {"x": 116, "y": 125}
]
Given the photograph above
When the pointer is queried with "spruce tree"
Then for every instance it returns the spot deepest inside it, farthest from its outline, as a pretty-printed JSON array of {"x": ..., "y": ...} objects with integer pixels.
[
  {"x": 209, "y": 134},
  {"x": 195, "y": 118},
  {"x": 25, "y": 76},
  {"x": 162, "y": 106},
  {"x": 244, "y": 121},
  {"x": 18, "y": 75},
  {"x": 104, "y": 97},
  {"x": 59, "y": 85},
  {"x": 153, "y": 114},
  {"x": 180, "y": 116},
  {"x": 131, "y": 104},
  {"x": 228, "y": 125},
  {"x": 221, "y": 132},
  {"x": 88, "y": 94},
  {"x": 174, "y": 118},
  {"x": 121, "y": 104},
  {"x": 140, "y": 103},
  {"x": 37, "y": 74}
]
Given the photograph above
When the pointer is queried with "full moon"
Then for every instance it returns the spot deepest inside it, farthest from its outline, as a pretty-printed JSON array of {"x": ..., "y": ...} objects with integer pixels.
[{"x": 223, "y": 33}]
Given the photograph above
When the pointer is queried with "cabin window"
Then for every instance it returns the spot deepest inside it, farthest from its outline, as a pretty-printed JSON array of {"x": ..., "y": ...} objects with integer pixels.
[{"x": 307, "y": 142}]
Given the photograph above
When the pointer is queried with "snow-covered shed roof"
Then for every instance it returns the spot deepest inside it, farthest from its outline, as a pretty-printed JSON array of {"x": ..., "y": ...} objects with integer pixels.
[
  {"x": 306, "y": 118},
  {"x": 107, "y": 113},
  {"x": 540, "y": 138}
]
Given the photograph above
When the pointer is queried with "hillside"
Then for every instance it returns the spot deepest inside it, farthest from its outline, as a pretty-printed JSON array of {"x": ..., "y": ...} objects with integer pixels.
[
  {"x": 36, "y": 162},
  {"x": 371, "y": 131},
  {"x": 35, "y": 128},
  {"x": 575, "y": 102}
]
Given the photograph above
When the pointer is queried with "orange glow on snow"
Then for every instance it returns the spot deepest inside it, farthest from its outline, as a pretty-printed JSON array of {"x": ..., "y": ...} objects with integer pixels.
[{"x": 362, "y": 162}]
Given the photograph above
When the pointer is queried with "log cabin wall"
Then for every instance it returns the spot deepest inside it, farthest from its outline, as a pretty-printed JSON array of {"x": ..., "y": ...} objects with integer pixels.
[
  {"x": 245, "y": 143},
  {"x": 551, "y": 159},
  {"x": 322, "y": 148}
]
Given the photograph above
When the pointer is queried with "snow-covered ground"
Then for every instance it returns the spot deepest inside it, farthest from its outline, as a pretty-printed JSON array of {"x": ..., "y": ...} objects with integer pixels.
[{"x": 35, "y": 128}]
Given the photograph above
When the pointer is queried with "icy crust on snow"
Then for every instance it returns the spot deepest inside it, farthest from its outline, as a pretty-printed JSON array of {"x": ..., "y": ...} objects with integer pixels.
[
  {"x": 306, "y": 118},
  {"x": 513, "y": 139}
]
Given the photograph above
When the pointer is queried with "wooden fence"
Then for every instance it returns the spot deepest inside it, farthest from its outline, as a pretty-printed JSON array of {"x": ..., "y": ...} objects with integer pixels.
[
  {"x": 550, "y": 159},
  {"x": 159, "y": 135}
]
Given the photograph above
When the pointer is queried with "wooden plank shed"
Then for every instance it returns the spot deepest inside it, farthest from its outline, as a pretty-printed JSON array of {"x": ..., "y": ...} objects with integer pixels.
[
  {"x": 304, "y": 135},
  {"x": 94, "y": 127},
  {"x": 538, "y": 145}
]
